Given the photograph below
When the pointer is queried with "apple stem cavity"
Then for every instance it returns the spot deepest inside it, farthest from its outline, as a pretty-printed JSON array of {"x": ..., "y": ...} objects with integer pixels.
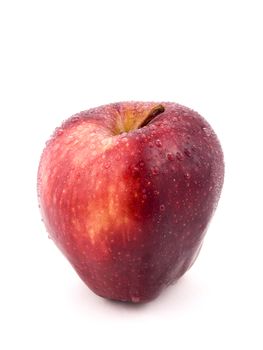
[
  {"x": 154, "y": 112},
  {"x": 131, "y": 120}
]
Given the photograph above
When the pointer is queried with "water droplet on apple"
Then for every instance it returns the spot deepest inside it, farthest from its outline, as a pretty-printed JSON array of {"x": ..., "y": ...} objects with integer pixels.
[
  {"x": 207, "y": 131},
  {"x": 164, "y": 126},
  {"x": 48, "y": 142},
  {"x": 187, "y": 175},
  {"x": 170, "y": 156},
  {"x": 143, "y": 138},
  {"x": 135, "y": 299},
  {"x": 155, "y": 170},
  {"x": 156, "y": 193},
  {"x": 107, "y": 165},
  {"x": 162, "y": 207},
  {"x": 75, "y": 119},
  {"x": 151, "y": 144},
  {"x": 179, "y": 156},
  {"x": 59, "y": 131},
  {"x": 141, "y": 164},
  {"x": 187, "y": 152},
  {"x": 158, "y": 143}
]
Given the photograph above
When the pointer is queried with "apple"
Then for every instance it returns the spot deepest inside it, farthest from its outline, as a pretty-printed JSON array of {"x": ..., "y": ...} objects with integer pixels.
[{"x": 126, "y": 192}]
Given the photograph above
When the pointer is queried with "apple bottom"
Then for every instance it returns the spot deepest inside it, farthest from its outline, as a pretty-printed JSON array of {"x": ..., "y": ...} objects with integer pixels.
[{"x": 137, "y": 282}]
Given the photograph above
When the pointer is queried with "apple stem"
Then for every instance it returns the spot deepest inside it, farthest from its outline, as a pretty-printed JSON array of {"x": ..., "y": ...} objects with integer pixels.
[{"x": 151, "y": 115}]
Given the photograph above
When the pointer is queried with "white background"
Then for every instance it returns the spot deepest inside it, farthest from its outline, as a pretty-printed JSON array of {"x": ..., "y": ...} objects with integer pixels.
[{"x": 60, "y": 57}]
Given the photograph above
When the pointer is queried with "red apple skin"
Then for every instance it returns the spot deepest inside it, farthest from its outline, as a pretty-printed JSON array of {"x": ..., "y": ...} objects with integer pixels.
[{"x": 130, "y": 210}]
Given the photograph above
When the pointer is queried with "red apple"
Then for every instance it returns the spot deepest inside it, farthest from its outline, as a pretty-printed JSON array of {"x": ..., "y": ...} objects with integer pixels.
[{"x": 126, "y": 192}]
